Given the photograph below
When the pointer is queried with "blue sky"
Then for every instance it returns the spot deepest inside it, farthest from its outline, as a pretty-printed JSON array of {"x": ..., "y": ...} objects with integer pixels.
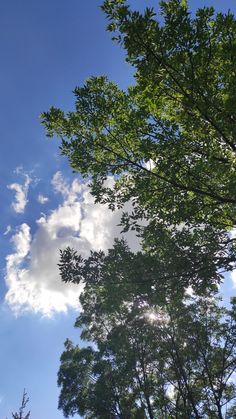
[{"x": 47, "y": 48}]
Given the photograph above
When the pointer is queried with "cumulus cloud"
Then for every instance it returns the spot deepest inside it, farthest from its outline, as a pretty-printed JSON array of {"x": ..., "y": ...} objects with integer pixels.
[
  {"x": 21, "y": 191},
  {"x": 42, "y": 199},
  {"x": 32, "y": 275}
]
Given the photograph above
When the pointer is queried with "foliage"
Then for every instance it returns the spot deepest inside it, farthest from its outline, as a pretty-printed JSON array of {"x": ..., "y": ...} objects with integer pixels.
[
  {"x": 147, "y": 359},
  {"x": 158, "y": 278},
  {"x": 169, "y": 140},
  {"x": 167, "y": 146},
  {"x": 180, "y": 115}
]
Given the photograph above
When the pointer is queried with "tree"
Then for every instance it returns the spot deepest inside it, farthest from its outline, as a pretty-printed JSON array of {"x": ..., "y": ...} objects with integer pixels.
[
  {"x": 180, "y": 115},
  {"x": 167, "y": 145},
  {"x": 147, "y": 360},
  {"x": 21, "y": 414},
  {"x": 169, "y": 140}
]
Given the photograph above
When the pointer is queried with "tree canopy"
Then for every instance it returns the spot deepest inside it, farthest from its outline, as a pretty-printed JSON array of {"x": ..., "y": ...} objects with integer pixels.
[
  {"x": 179, "y": 115},
  {"x": 162, "y": 344},
  {"x": 148, "y": 358},
  {"x": 168, "y": 141}
]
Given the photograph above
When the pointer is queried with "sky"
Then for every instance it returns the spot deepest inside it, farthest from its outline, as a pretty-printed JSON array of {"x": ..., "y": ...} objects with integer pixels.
[{"x": 47, "y": 48}]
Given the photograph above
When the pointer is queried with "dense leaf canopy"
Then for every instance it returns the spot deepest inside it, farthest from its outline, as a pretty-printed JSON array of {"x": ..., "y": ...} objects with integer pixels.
[
  {"x": 170, "y": 138},
  {"x": 150, "y": 358},
  {"x": 162, "y": 345}
]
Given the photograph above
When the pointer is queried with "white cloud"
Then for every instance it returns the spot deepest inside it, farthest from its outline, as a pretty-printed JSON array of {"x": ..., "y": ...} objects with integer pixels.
[
  {"x": 42, "y": 199},
  {"x": 8, "y": 230},
  {"x": 21, "y": 191},
  {"x": 59, "y": 184},
  {"x": 32, "y": 275},
  {"x": 69, "y": 192},
  {"x": 19, "y": 170}
]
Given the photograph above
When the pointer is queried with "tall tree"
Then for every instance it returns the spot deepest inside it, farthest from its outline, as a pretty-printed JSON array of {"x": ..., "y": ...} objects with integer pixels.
[
  {"x": 169, "y": 140},
  {"x": 172, "y": 360},
  {"x": 180, "y": 115},
  {"x": 167, "y": 145}
]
